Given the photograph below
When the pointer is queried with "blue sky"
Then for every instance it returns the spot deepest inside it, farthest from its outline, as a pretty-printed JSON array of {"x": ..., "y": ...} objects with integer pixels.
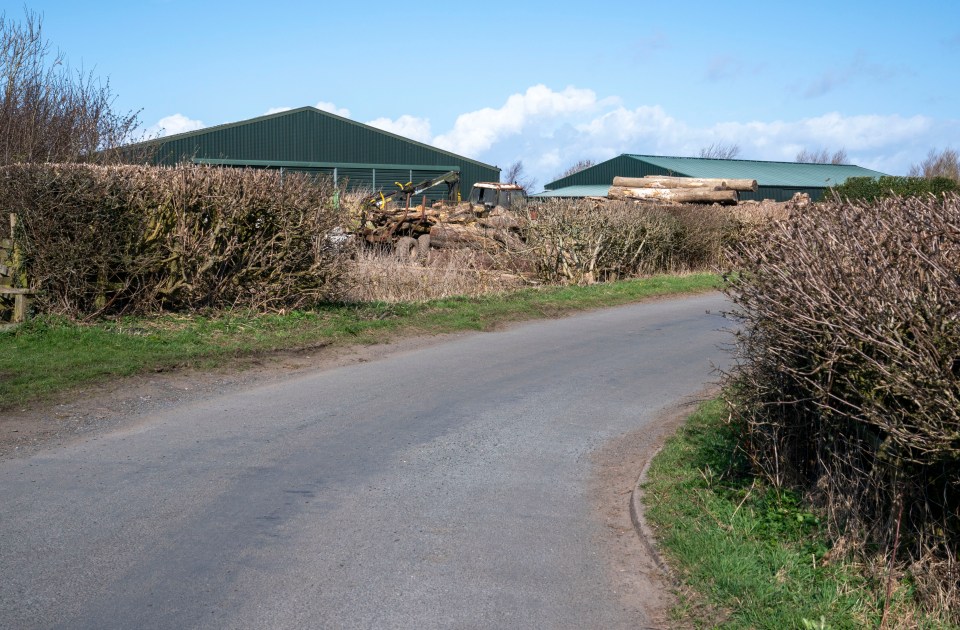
[{"x": 549, "y": 83}]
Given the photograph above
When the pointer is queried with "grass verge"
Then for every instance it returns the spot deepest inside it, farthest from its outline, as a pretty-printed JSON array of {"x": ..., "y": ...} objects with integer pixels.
[
  {"x": 49, "y": 355},
  {"x": 749, "y": 556}
]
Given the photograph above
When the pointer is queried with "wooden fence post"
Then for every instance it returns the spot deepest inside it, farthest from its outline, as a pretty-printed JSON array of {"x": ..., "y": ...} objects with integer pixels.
[{"x": 21, "y": 297}]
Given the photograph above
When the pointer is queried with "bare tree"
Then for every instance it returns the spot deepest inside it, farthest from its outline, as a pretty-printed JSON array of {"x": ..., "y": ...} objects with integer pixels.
[
  {"x": 720, "y": 151},
  {"x": 49, "y": 112},
  {"x": 581, "y": 165},
  {"x": 944, "y": 163},
  {"x": 822, "y": 156},
  {"x": 515, "y": 174}
]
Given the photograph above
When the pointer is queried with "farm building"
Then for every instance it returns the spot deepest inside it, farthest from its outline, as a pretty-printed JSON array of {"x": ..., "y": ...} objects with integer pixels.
[
  {"x": 314, "y": 141},
  {"x": 776, "y": 180}
]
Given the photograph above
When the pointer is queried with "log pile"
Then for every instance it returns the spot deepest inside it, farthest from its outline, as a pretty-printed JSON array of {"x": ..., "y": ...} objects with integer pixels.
[
  {"x": 662, "y": 188},
  {"x": 441, "y": 226}
]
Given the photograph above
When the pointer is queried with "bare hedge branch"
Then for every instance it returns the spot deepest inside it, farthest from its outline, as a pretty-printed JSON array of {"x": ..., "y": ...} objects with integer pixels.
[
  {"x": 581, "y": 242},
  {"x": 848, "y": 380}
]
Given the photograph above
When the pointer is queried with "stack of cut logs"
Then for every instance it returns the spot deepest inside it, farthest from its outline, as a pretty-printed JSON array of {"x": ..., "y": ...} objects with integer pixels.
[
  {"x": 442, "y": 226},
  {"x": 661, "y": 188}
]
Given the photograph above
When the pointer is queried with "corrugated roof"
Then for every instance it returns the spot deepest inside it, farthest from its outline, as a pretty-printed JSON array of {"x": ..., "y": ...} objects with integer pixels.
[
  {"x": 289, "y": 113},
  {"x": 576, "y": 191},
  {"x": 766, "y": 173}
]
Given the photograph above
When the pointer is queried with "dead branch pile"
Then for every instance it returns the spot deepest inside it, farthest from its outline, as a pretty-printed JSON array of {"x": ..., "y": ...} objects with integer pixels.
[
  {"x": 848, "y": 380},
  {"x": 136, "y": 239}
]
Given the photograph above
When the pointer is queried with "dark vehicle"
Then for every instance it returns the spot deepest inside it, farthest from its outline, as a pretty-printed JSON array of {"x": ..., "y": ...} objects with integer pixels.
[{"x": 492, "y": 194}]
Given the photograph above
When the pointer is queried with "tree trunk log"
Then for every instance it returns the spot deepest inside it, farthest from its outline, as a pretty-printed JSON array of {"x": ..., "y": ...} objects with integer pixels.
[
  {"x": 663, "y": 181},
  {"x": 682, "y": 195},
  {"x": 447, "y": 236},
  {"x": 505, "y": 222}
]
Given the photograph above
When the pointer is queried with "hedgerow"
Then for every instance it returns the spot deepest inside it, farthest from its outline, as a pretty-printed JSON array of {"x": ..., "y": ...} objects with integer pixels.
[
  {"x": 870, "y": 189},
  {"x": 847, "y": 382},
  {"x": 139, "y": 239},
  {"x": 580, "y": 241}
]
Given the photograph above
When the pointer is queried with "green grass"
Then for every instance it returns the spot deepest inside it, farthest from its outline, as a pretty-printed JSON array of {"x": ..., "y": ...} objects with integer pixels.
[
  {"x": 751, "y": 557},
  {"x": 50, "y": 355}
]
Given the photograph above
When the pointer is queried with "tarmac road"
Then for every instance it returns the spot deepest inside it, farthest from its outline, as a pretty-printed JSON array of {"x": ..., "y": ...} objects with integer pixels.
[{"x": 440, "y": 488}]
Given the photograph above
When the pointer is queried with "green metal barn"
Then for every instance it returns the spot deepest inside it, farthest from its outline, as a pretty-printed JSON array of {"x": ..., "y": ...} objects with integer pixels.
[
  {"x": 775, "y": 180},
  {"x": 314, "y": 141}
]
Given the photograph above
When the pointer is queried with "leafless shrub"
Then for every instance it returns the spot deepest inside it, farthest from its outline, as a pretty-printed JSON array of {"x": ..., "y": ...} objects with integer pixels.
[
  {"x": 822, "y": 156},
  {"x": 848, "y": 379},
  {"x": 380, "y": 276},
  {"x": 48, "y": 112},
  {"x": 944, "y": 163},
  {"x": 517, "y": 174},
  {"x": 582, "y": 242},
  {"x": 720, "y": 151},
  {"x": 573, "y": 169},
  {"x": 98, "y": 239}
]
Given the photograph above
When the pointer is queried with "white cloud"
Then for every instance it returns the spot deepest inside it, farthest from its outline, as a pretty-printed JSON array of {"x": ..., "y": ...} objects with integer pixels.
[
  {"x": 552, "y": 136},
  {"x": 862, "y": 133},
  {"x": 407, "y": 126},
  {"x": 171, "y": 125},
  {"x": 277, "y": 110},
  {"x": 477, "y": 131},
  {"x": 550, "y": 130},
  {"x": 333, "y": 109}
]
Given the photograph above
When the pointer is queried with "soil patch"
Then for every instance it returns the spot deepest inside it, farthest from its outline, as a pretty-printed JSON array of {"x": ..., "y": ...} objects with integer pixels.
[{"x": 635, "y": 570}]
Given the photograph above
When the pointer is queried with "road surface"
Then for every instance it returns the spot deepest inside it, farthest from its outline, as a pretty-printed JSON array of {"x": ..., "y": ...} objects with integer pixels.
[{"x": 445, "y": 487}]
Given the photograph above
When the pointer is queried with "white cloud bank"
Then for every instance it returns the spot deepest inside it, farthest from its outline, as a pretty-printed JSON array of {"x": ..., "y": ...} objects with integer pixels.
[
  {"x": 172, "y": 125},
  {"x": 407, "y": 126},
  {"x": 476, "y": 132},
  {"x": 322, "y": 106},
  {"x": 550, "y": 130}
]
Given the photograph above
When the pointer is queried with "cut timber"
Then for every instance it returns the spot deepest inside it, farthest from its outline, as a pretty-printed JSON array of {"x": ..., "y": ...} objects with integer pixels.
[
  {"x": 404, "y": 247},
  {"x": 451, "y": 236},
  {"x": 423, "y": 246},
  {"x": 683, "y": 195},
  {"x": 21, "y": 307},
  {"x": 21, "y": 302},
  {"x": 663, "y": 181},
  {"x": 500, "y": 221}
]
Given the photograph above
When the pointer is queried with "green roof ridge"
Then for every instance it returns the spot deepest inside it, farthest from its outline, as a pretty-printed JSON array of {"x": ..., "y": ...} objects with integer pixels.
[{"x": 287, "y": 112}]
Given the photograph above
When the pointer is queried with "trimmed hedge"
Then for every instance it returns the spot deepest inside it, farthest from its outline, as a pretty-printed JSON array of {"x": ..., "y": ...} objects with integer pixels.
[
  {"x": 848, "y": 378},
  {"x": 870, "y": 189},
  {"x": 138, "y": 239},
  {"x": 579, "y": 241}
]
